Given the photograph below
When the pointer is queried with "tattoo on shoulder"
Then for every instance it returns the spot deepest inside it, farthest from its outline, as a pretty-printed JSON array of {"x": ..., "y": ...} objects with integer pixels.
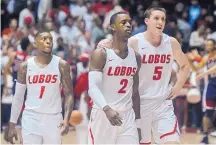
[{"x": 21, "y": 77}]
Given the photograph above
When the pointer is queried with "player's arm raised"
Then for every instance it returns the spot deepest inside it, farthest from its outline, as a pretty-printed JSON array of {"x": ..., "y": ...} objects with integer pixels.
[
  {"x": 200, "y": 65},
  {"x": 208, "y": 72},
  {"x": 135, "y": 94},
  {"x": 68, "y": 91},
  {"x": 184, "y": 67},
  {"x": 17, "y": 102},
  {"x": 97, "y": 62}
]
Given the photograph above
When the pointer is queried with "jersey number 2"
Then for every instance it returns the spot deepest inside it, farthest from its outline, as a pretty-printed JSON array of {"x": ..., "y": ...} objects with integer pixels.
[
  {"x": 157, "y": 73},
  {"x": 42, "y": 89},
  {"x": 124, "y": 83}
]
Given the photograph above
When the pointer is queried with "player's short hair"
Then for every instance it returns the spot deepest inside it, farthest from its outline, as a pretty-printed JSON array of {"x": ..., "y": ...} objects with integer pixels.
[
  {"x": 148, "y": 11},
  {"x": 212, "y": 40},
  {"x": 114, "y": 16},
  {"x": 39, "y": 32}
]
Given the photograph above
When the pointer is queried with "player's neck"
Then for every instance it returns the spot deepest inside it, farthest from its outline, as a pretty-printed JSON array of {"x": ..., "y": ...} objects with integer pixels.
[
  {"x": 44, "y": 59},
  {"x": 153, "y": 39},
  {"x": 119, "y": 44}
]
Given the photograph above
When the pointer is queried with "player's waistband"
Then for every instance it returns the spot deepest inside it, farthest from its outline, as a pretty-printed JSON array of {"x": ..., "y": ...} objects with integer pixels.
[
  {"x": 118, "y": 110},
  {"x": 39, "y": 112}
]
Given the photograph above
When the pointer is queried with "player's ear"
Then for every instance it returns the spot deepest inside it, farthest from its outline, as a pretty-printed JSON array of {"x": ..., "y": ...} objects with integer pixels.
[
  {"x": 146, "y": 20},
  {"x": 112, "y": 26},
  {"x": 35, "y": 43}
]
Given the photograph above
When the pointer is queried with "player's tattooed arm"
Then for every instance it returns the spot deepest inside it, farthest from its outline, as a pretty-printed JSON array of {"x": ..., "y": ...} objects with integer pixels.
[
  {"x": 67, "y": 89},
  {"x": 17, "y": 102},
  {"x": 135, "y": 94},
  {"x": 21, "y": 77}
]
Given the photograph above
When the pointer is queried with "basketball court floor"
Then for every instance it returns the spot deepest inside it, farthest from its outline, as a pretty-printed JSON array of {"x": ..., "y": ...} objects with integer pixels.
[{"x": 186, "y": 138}]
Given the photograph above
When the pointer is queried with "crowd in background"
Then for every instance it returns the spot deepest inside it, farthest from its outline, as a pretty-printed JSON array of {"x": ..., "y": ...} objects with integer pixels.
[{"x": 78, "y": 25}]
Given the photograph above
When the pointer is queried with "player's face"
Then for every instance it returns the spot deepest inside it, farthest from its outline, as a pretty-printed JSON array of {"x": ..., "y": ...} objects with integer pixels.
[
  {"x": 209, "y": 45},
  {"x": 123, "y": 25},
  {"x": 45, "y": 43},
  {"x": 156, "y": 22}
]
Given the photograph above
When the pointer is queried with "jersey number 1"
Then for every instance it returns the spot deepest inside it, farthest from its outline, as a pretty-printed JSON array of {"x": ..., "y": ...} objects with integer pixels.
[
  {"x": 42, "y": 89},
  {"x": 124, "y": 83},
  {"x": 157, "y": 73}
]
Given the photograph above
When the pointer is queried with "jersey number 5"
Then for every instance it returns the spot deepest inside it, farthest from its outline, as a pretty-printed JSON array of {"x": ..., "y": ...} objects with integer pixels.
[
  {"x": 42, "y": 89},
  {"x": 124, "y": 83},
  {"x": 157, "y": 73}
]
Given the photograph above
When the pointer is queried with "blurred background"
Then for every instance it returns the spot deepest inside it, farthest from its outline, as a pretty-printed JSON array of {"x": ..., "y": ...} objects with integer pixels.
[{"x": 78, "y": 25}]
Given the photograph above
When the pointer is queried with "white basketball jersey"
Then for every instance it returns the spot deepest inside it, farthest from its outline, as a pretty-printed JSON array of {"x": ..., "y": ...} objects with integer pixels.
[
  {"x": 43, "y": 87},
  {"x": 117, "y": 82},
  {"x": 156, "y": 68}
]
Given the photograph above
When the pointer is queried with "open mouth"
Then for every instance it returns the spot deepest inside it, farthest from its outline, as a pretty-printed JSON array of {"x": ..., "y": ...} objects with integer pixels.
[{"x": 160, "y": 28}]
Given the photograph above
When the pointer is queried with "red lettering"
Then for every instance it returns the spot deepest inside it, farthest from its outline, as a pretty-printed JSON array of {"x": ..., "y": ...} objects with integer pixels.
[
  {"x": 54, "y": 78},
  {"x": 168, "y": 58},
  {"x": 29, "y": 79},
  {"x": 117, "y": 71},
  {"x": 123, "y": 70},
  {"x": 129, "y": 71},
  {"x": 151, "y": 59},
  {"x": 157, "y": 58},
  {"x": 109, "y": 71},
  {"x": 163, "y": 58},
  {"x": 48, "y": 78},
  {"x": 144, "y": 59},
  {"x": 35, "y": 79},
  {"x": 41, "y": 78}
]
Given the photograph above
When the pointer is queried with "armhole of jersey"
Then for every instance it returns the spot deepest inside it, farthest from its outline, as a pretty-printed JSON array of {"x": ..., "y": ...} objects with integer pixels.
[
  {"x": 106, "y": 59},
  {"x": 27, "y": 68},
  {"x": 171, "y": 47},
  {"x": 59, "y": 71},
  {"x": 27, "y": 71},
  {"x": 137, "y": 37}
]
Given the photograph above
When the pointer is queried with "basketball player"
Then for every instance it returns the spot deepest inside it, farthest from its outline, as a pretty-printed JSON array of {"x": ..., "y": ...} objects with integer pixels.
[
  {"x": 42, "y": 75},
  {"x": 158, "y": 51},
  {"x": 209, "y": 102},
  {"x": 113, "y": 84}
]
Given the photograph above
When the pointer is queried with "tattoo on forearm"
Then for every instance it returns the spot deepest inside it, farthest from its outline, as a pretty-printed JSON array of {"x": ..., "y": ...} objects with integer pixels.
[{"x": 67, "y": 88}]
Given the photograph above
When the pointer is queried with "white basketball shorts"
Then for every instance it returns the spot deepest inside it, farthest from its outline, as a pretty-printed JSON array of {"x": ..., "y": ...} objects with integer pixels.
[
  {"x": 38, "y": 128},
  {"x": 102, "y": 132},
  {"x": 161, "y": 122}
]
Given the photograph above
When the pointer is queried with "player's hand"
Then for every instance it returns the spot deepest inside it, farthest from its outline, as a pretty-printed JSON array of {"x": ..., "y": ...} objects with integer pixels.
[
  {"x": 10, "y": 134},
  {"x": 64, "y": 125},
  {"x": 174, "y": 91},
  {"x": 200, "y": 76},
  {"x": 112, "y": 116}
]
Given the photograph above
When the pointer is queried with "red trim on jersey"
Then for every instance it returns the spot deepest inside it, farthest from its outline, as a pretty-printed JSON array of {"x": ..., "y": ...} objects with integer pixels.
[
  {"x": 210, "y": 103},
  {"x": 145, "y": 142},
  {"x": 170, "y": 133},
  {"x": 92, "y": 137},
  {"x": 23, "y": 106}
]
